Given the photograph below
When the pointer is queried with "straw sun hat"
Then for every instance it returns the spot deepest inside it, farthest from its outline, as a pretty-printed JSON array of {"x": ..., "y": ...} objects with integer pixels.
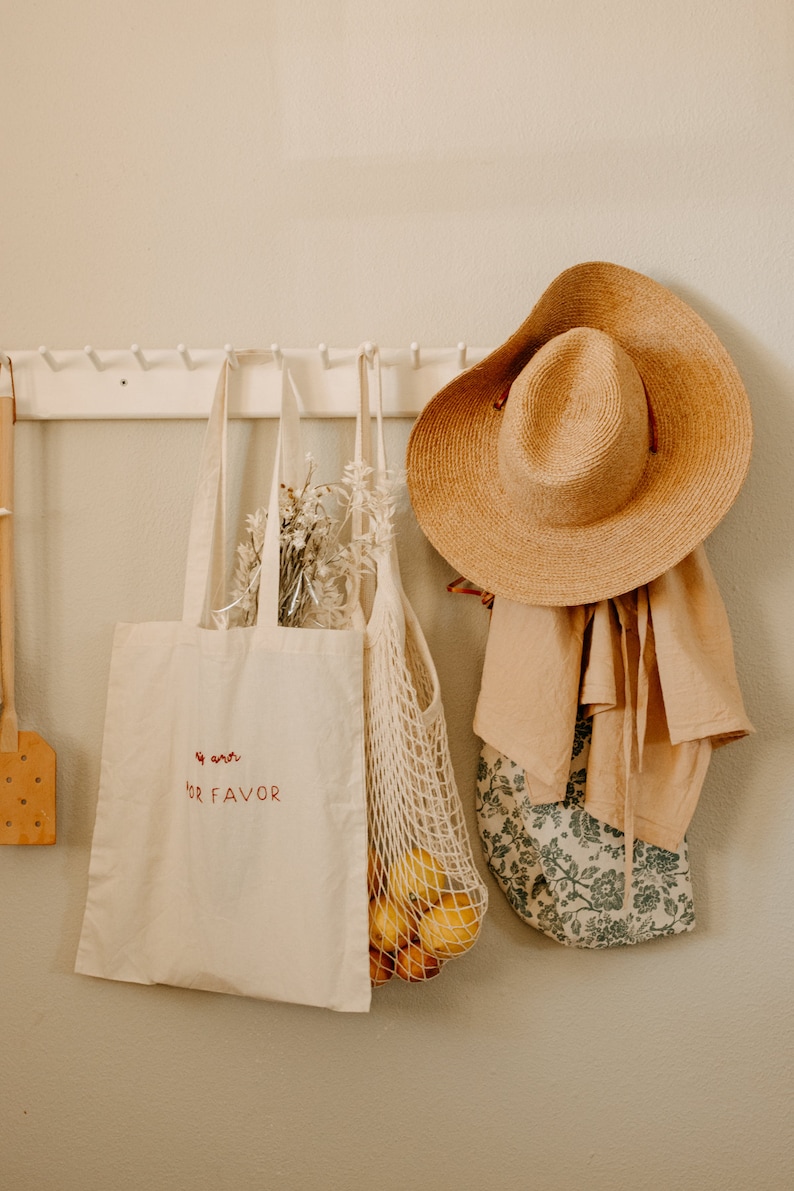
[{"x": 589, "y": 453}]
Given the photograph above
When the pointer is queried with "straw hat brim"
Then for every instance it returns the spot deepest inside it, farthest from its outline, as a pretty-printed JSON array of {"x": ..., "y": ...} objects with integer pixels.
[{"x": 704, "y": 441}]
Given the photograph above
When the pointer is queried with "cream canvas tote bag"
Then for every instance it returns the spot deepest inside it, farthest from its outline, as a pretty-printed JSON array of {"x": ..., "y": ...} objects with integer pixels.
[{"x": 230, "y": 843}]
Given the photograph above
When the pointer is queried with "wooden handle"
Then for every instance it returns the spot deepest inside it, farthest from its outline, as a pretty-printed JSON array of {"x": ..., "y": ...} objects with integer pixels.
[{"x": 9, "y": 728}]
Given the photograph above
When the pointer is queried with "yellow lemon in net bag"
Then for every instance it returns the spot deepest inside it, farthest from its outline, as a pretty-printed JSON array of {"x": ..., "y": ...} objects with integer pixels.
[
  {"x": 417, "y": 879},
  {"x": 450, "y": 927},
  {"x": 390, "y": 925}
]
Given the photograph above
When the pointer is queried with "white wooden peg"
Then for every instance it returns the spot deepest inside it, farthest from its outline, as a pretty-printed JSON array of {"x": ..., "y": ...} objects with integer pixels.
[
  {"x": 94, "y": 358},
  {"x": 415, "y": 358},
  {"x": 369, "y": 351},
  {"x": 140, "y": 357},
  {"x": 325, "y": 358},
  {"x": 461, "y": 356},
  {"x": 231, "y": 355},
  {"x": 4, "y": 360},
  {"x": 48, "y": 358},
  {"x": 185, "y": 354},
  {"x": 277, "y": 356}
]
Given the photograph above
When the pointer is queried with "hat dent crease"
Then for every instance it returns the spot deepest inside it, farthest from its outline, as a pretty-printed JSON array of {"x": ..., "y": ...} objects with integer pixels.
[{"x": 558, "y": 497}]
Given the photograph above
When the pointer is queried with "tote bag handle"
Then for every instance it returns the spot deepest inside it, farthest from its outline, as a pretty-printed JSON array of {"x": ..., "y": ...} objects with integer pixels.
[
  {"x": 205, "y": 575},
  {"x": 360, "y": 589},
  {"x": 363, "y": 446},
  {"x": 364, "y": 413}
]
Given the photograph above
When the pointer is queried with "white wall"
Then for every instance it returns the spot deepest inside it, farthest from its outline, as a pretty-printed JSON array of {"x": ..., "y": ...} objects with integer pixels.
[{"x": 250, "y": 171}]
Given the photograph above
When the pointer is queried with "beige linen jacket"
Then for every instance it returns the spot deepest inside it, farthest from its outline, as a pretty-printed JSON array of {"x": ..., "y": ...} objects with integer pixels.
[{"x": 653, "y": 668}]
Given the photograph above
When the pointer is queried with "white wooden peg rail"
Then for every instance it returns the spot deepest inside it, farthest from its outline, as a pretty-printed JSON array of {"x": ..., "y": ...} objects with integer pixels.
[{"x": 136, "y": 382}]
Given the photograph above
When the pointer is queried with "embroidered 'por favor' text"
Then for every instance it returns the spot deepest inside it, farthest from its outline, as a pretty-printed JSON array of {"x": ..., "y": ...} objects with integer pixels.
[{"x": 234, "y": 794}]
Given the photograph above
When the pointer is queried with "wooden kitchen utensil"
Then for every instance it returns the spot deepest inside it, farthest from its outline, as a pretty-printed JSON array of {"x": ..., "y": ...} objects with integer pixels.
[{"x": 27, "y": 763}]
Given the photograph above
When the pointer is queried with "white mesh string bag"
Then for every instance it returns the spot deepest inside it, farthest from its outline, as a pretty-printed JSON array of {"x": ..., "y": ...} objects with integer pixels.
[{"x": 427, "y": 899}]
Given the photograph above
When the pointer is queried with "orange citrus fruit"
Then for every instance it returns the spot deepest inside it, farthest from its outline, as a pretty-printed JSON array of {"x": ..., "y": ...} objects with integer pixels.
[
  {"x": 413, "y": 963},
  {"x": 376, "y": 873},
  {"x": 381, "y": 967}
]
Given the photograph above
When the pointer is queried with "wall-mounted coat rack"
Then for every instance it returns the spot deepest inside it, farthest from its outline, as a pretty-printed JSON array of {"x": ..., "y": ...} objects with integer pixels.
[{"x": 179, "y": 382}]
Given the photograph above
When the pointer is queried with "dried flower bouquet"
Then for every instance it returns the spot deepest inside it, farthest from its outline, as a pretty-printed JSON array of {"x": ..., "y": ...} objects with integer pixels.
[{"x": 330, "y": 535}]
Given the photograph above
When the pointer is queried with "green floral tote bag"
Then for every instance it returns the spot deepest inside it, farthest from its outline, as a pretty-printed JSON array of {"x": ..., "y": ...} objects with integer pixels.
[{"x": 563, "y": 871}]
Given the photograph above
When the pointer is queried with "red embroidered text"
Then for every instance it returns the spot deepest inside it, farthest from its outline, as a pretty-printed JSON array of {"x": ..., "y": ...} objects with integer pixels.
[{"x": 235, "y": 794}]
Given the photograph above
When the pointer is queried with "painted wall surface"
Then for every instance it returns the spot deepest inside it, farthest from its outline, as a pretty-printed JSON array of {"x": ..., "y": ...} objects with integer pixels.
[{"x": 335, "y": 171}]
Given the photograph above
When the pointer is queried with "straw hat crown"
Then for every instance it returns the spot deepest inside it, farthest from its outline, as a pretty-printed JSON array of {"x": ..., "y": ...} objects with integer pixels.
[{"x": 574, "y": 438}]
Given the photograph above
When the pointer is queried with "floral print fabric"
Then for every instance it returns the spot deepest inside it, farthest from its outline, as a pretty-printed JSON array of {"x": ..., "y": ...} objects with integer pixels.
[{"x": 563, "y": 871}]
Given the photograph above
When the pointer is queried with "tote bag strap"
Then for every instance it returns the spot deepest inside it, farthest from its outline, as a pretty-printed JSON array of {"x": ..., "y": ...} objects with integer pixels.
[
  {"x": 364, "y": 440},
  {"x": 288, "y": 462},
  {"x": 361, "y": 586},
  {"x": 364, "y": 413},
  {"x": 293, "y": 458},
  {"x": 207, "y": 541},
  {"x": 206, "y": 556},
  {"x": 363, "y": 445}
]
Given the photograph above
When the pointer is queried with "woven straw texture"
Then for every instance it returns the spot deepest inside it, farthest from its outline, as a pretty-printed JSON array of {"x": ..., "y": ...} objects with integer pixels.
[{"x": 703, "y": 435}]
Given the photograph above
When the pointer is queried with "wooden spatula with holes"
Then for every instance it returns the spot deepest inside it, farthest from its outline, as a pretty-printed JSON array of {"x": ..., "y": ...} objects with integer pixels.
[{"x": 27, "y": 763}]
